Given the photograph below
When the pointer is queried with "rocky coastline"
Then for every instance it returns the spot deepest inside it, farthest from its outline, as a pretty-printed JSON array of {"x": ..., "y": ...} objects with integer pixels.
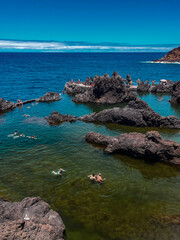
[
  {"x": 149, "y": 146},
  {"x": 171, "y": 57},
  {"x": 32, "y": 218}
]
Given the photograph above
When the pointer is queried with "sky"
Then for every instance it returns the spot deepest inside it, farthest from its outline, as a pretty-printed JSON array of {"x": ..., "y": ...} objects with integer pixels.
[{"x": 127, "y": 22}]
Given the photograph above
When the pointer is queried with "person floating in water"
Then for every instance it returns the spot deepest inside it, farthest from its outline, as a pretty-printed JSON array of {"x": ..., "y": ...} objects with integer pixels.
[
  {"x": 99, "y": 178},
  {"x": 26, "y": 115},
  {"x": 22, "y": 135},
  {"x": 60, "y": 171},
  {"x": 33, "y": 137},
  {"x": 92, "y": 177},
  {"x": 15, "y": 133}
]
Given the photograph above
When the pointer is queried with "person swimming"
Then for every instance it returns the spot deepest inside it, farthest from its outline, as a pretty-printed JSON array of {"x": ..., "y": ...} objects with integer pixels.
[
  {"x": 22, "y": 135},
  {"x": 15, "y": 133},
  {"x": 92, "y": 177},
  {"x": 99, "y": 178},
  {"x": 60, "y": 171}
]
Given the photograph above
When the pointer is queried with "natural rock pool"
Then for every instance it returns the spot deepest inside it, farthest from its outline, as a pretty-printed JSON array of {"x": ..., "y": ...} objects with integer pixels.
[{"x": 131, "y": 203}]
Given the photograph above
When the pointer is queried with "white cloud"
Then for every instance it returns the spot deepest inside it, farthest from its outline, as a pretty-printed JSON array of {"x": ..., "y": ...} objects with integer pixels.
[{"x": 62, "y": 46}]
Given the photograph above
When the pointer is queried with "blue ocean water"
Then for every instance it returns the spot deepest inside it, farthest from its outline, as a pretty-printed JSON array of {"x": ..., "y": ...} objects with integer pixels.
[{"x": 135, "y": 193}]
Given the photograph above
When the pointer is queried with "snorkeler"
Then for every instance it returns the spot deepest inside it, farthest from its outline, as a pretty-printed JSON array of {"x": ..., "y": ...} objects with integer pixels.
[
  {"x": 99, "y": 178},
  {"x": 60, "y": 171}
]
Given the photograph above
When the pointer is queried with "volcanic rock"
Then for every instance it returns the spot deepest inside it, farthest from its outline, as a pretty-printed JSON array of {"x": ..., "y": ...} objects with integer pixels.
[
  {"x": 6, "y": 105},
  {"x": 57, "y": 118},
  {"x": 106, "y": 90},
  {"x": 149, "y": 146},
  {"x": 143, "y": 87},
  {"x": 75, "y": 88},
  {"x": 136, "y": 113},
  {"x": 176, "y": 93},
  {"x": 171, "y": 56},
  {"x": 163, "y": 87},
  {"x": 31, "y": 218},
  {"x": 49, "y": 97}
]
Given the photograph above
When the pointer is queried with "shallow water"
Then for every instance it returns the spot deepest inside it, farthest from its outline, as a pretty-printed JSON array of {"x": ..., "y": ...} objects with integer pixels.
[{"x": 135, "y": 193}]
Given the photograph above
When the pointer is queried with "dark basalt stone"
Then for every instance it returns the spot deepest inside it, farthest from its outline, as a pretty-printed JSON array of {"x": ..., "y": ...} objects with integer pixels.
[
  {"x": 49, "y": 97},
  {"x": 149, "y": 146},
  {"x": 58, "y": 118},
  {"x": 136, "y": 113},
  {"x": 171, "y": 56},
  {"x": 163, "y": 87},
  {"x": 43, "y": 223},
  {"x": 106, "y": 90},
  {"x": 176, "y": 93},
  {"x": 75, "y": 88},
  {"x": 143, "y": 87},
  {"x": 6, "y": 105}
]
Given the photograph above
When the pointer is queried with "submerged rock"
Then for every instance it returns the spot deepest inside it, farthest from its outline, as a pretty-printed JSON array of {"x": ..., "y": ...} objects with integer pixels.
[
  {"x": 176, "y": 93},
  {"x": 149, "y": 146},
  {"x": 171, "y": 56},
  {"x": 106, "y": 90},
  {"x": 32, "y": 218},
  {"x": 57, "y": 118},
  {"x": 6, "y": 105},
  {"x": 136, "y": 113},
  {"x": 49, "y": 97}
]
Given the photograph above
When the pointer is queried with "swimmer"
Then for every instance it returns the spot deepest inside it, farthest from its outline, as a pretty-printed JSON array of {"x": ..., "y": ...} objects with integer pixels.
[
  {"x": 22, "y": 135},
  {"x": 99, "y": 178},
  {"x": 32, "y": 104},
  {"x": 28, "y": 107},
  {"x": 60, "y": 171},
  {"x": 92, "y": 177},
  {"x": 26, "y": 115},
  {"x": 15, "y": 133},
  {"x": 36, "y": 102},
  {"x": 33, "y": 137}
]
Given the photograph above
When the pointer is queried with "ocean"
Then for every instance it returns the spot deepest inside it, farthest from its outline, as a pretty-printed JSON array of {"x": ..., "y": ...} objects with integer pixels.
[{"x": 135, "y": 195}]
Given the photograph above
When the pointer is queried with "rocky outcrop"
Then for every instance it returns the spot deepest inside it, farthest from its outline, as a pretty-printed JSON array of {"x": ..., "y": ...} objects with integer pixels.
[
  {"x": 31, "y": 218},
  {"x": 106, "y": 90},
  {"x": 76, "y": 88},
  {"x": 143, "y": 87},
  {"x": 49, "y": 97},
  {"x": 6, "y": 105},
  {"x": 166, "y": 87},
  {"x": 171, "y": 56},
  {"x": 176, "y": 93},
  {"x": 136, "y": 113},
  {"x": 149, "y": 146},
  {"x": 58, "y": 118}
]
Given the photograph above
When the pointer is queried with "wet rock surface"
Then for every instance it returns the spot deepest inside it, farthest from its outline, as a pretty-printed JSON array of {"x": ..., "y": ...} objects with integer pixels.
[
  {"x": 149, "y": 146},
  {"x": 32, "y": 218},
  {"x": 171, "y": 56},
  {"x": 49, "y": 97},
  {"x": 176, "y": 93},
  {"x": 106, "y": 90},
  {"x": 58, "y": 118},
  {"x": 136, "y": 113},
  {"x": 6, "y": 105}
]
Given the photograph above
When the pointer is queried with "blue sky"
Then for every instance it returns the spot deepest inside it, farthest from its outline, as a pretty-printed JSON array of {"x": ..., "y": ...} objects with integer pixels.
[{"x": 120, "y": 22}]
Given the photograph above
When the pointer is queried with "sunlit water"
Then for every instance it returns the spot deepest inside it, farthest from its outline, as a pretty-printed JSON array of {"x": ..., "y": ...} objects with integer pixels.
[{"x": 135, "y": 193}]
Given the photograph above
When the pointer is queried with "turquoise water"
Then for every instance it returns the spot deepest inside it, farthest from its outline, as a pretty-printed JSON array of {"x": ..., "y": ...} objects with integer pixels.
[{"x": 135, "y": 195}]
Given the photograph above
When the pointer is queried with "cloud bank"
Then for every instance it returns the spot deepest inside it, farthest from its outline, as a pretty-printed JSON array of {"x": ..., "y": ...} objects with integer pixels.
[{"x": 53, "y": 46}]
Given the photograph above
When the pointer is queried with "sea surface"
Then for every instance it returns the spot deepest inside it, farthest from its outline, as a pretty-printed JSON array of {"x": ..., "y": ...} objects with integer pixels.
[{"x": 135, "y": 196}]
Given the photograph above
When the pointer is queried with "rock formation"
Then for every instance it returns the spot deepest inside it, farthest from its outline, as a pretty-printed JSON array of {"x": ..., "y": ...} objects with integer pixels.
[
  {"x": 163, "y": 87},
  {"x": 171, "y": 56},
  {"x": 6, "y": 105},
  {"x": 149, "y": 146},
  {"x": 49, "y": 97},
  {"x": 31, "y": 218},
  {"x": 75, "y": 88},
  {"x": 57, "y": 118},
  {"x": 176, "y": 93},
  {"x": 136, "y": 113},
  {"x": 106, "y": 90},
  {"x": 143, "y": 87}
]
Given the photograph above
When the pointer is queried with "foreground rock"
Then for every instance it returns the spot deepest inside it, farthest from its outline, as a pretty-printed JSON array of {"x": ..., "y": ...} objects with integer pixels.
[
  {"x": 176, "y": 93},
  {"x": 136, "y": 113},
  {"x": 149, "y": 146},
  {"x": 57, "y": 118},
  {"x": 31, "y": 218},
  {"x": 163, "y": 87},
  {"x": 171, "y": 56},
  {"x": 49, "y": 97},
  {"x": 106, "y": 90},
  {"x": 143, "y": 87},
  {"x": 6, "y": 105}
]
